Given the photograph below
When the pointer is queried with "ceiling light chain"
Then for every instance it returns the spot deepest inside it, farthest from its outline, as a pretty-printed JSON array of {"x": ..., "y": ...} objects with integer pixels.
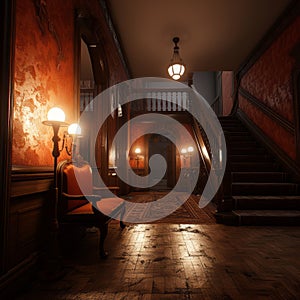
[{"x": 176, "y": 68}]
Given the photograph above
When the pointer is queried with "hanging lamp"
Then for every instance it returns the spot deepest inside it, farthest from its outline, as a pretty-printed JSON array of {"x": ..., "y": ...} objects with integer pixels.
[{"x": 176, "y": 68}]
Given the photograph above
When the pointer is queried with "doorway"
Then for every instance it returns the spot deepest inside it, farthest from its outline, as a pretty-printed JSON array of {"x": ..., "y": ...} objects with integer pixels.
[{"x": 158, "y": 144}]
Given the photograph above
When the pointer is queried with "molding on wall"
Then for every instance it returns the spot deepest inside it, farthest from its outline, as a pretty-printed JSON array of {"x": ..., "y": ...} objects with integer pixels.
[
  {"x": 287, "y": 125},
  {"x": 283, "y": 158},
  {"x": 14, "y": 278},
  {"x": 30, "y": 180},
  {"x": 284, "y": 20},
  {"x": 106, "y": 11},
  {"x": 296, "y": 93}
]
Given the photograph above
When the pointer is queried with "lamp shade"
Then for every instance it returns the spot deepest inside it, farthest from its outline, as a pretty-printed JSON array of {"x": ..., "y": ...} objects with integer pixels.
[
  {"x": 190, "y": 149},
  {"x": 74, "y": 129},
  {"x": 137, "y": 150},
  {"x": 56, "y": 114}
]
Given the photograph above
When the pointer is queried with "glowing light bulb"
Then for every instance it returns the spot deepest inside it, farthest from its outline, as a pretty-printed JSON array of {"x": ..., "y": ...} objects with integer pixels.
[{"x": 56, "y": 114}]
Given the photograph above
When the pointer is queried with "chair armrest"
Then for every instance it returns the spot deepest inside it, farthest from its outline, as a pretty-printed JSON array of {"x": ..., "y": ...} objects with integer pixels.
[{"x": 93, "y": 198}]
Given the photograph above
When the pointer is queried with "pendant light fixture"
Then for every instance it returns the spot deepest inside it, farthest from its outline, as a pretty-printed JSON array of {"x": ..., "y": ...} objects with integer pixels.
[{"x": 176, "y": 68}]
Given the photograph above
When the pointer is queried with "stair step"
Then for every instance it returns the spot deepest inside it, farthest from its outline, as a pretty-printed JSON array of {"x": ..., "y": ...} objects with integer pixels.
[
  {"x": 258, "y": 177},
  {"x": 238, "y": 133},
  {"x": 269, "y": 189},
  {"x": 231, "y": 128},
  {"x": 242, "y": 144},
  {"x": 254, "y": 166},
  {"x": 250, "y": 158},
  {"x": 266, "y": 202},
  {"x": 245, "y": 150},
  {"x": 268, "y": 217},
  {"x": 238, "y": 138}
]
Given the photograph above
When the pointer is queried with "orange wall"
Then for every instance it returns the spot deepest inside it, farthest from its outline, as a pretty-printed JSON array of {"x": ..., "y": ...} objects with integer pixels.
[
  {"x": 227, "y": 92},
  {"x": 43, "y": 77},
  {"x": 270, "y": 81},
  {"x": 44, "y": 72}
]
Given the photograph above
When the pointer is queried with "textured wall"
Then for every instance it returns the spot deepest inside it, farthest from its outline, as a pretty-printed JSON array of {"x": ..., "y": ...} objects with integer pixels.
[
  {"x": 227, "y": 85},
  {"x": 43, "y": 76},
  {"x": 44, "y": 71},
  {"x": 270, "y": 81},
  {"x": 270, "y": 77}
]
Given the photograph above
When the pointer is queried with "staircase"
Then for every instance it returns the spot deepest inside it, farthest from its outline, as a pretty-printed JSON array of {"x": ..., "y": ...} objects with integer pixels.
[{"x": 262, "y": 192}]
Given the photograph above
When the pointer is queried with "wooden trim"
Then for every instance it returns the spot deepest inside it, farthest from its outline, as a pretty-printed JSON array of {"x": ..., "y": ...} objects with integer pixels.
[
  {"x": 288, "y": 16},
  {"x": 296, "y": 93},
  {"x": 30, "y": 180},
  {"x": 282, "y": 157},
  {"x": 105, "y": 5},
  {"x": 7, "y": 36},
  {"x": 11, "y": 282},
  {"x": 287, "y": 125}
]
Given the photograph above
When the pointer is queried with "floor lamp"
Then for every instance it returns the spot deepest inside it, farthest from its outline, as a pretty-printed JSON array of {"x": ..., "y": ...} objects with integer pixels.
[{"x": 56, "y": 119}]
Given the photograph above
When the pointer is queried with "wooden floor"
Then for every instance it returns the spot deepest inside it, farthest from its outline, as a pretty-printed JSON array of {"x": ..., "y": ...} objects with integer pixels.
[{"x": 171, "y": 261}]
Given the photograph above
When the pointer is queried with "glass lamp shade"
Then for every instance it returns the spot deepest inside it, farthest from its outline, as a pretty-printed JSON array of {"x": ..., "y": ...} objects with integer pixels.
[
  {"x": 56, "y": 114},
  {"x": 55, "y": 117},
  {"x": 183, "y": 151},
  {"x": 74, "y": 129},
  {"x": 190, "y": 149},
  {"x": 137, "y": 151},
  {"x": 176, "y": 70}
]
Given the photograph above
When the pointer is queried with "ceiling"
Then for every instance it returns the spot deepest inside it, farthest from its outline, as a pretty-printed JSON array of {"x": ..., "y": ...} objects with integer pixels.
[{"x": 214, "y": 35}]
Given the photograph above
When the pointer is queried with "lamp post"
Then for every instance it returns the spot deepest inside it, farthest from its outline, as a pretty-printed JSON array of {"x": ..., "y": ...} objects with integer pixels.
[{"x": 56, "y": 119}]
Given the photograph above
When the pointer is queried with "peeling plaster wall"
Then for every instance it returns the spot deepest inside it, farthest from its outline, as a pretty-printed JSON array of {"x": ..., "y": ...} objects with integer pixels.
[
  {"x": 270, "y": 81},
  {"x": 227, "y": 92},
  {"x": 270, "y": 77},
  {"x": 43, "y": 77}
]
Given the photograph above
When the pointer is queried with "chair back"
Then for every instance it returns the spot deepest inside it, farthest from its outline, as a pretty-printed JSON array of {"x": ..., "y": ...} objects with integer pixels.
[{"x": 68, "y": 175}]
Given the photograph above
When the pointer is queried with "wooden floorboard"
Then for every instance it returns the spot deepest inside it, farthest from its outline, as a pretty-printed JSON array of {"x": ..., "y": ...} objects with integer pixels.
[{"x": 173, "y": 261}]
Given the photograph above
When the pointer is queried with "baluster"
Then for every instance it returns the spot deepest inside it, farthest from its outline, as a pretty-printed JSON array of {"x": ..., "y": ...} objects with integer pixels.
[
  {"x": 158, "y": 101},
  {"x": 153, "y": 102},
  {"x": 148, "y": 104},
  {"x": 184, "y": 100},
  {"x": 169, "y": 101},
  {"x": 164, "y": 104},
  {"x": 179, "y": 100},
  {"x": 174, "y": 101}
]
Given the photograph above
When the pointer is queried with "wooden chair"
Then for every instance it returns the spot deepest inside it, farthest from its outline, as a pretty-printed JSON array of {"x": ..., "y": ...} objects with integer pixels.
[{"x": 73, "y": 206}]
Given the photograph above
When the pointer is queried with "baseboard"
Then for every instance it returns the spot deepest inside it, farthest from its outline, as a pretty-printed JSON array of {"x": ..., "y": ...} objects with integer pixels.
[
  {"x": 288, "y": 163},
  {"x": 18, "y": 277}
]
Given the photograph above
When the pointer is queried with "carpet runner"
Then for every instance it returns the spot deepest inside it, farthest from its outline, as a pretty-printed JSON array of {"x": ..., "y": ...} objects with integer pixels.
[{"x": 187, "y": 213}]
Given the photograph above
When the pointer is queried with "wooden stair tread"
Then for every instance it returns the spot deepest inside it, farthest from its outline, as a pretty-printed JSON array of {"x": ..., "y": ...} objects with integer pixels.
[{"x": 263, "y": 213}]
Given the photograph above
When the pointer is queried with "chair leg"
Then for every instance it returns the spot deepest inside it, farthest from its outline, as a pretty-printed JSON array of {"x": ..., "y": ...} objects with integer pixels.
[{"x": 103, "y": 233}]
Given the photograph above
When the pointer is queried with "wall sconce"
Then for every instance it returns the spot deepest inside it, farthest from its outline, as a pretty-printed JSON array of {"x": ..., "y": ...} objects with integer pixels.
[
  {"x": 137, "y": 151},
  {"x": 187, "y": 153},
  {"x": 74, "y": 130},
  {"x": 176, "y": 68}
]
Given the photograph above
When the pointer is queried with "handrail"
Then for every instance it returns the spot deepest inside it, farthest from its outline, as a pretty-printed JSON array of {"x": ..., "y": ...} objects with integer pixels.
[{"x": 206, "y": 159}]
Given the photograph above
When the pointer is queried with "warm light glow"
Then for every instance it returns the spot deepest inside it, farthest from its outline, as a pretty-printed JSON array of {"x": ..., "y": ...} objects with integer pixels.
[
  {"x": 183, "y": 151},
  {"x": 176, "y": 71},
  {"x": 74, "y": 129},
  {"x": 137, "y": 150},
  {"x": 190, "y": 149},
  {"x": 176, "y": 68},
  {"x": 56, "y": 114}
]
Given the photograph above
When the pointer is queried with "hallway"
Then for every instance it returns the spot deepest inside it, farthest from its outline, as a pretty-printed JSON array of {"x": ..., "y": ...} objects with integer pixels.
[{"x": 173, "y": 261}]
